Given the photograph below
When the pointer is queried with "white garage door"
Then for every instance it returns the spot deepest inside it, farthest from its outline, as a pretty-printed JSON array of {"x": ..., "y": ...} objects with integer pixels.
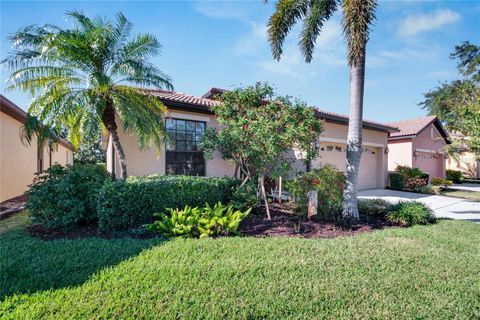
[{"x": 334, "y": 154}]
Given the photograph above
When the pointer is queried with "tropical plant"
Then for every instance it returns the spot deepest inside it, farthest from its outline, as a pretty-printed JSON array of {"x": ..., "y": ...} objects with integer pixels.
[
  {"x": 82, "y": 78},
  {"x": 411, "y": 213},
  {"x": 257, "y": 128},
  {"x": 199, "y": 223},
  {"x": 358, "y": 15}
]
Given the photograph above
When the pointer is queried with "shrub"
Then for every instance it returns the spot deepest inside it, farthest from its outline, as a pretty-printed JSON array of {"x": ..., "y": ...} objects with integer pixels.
[
  {"x": 199, "y": 223},
  {"x": 245, "y": 197},
  {"x": 436, "y": 181},
  {"x": 374, "y": 207},
  {"x": 328, "y": 182},
  {"x": 409, "y": 172},
  {"x": 428, "y": 190},
  {"x": 396, "y": 181},
  {"x": 66, "y": 196},
  {"x": 411, "y": 213},
  {"x": 130, "y": 203},
  {"x": 414, "y": 184},
  {"x": 455, "y": 176}
]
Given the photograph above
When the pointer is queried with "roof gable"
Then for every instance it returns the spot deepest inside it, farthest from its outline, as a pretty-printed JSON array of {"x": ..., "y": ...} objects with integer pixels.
[{"x": 413, "y": 127}]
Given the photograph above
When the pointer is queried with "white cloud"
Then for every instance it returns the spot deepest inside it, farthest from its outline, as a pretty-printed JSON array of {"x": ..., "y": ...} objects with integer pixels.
[
  {"x": 414, "y": 24},
  {"x": 225, "y": 10},
  {"x": 254, "y": 41}
]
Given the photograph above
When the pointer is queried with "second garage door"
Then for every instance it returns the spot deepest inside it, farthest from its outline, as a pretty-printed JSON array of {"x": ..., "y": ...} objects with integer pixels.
[{"x": 334, "y": 155}]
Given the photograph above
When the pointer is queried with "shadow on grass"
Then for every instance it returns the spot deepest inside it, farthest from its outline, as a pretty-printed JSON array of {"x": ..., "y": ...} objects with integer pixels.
[{"x": 28, "y": 264}]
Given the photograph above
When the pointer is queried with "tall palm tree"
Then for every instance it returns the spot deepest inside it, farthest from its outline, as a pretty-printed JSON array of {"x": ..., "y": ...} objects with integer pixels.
[
  {"x": 84, "y": 79},
  {"x": 358, "y": 15}
]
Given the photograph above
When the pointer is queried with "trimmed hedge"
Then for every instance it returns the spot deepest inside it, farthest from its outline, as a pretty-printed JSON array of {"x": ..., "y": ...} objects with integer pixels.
[
  {"x": 396, "y": 181},
  {"x": 455, "y": 176},
  {"x": 130, "y": 203}
]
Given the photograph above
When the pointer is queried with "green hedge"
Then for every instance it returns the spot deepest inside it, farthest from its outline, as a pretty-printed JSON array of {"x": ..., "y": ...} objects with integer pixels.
[
  {"x": 454, "y": 175},
  {"x": 124, "y": 204},
  {"x": 396, "y": 181}
]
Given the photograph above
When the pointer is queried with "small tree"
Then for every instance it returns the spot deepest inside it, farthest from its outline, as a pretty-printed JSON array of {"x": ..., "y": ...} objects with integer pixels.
[{"x": 257, "y": 129}]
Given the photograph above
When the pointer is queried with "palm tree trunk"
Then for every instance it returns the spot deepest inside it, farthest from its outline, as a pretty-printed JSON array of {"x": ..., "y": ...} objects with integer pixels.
[
  {"x": 108, "y": 119},
  {"x": 354, "y": 139}
]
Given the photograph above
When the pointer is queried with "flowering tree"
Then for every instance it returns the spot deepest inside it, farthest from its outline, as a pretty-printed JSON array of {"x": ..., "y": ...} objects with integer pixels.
[{"x": 257, "y": 129}]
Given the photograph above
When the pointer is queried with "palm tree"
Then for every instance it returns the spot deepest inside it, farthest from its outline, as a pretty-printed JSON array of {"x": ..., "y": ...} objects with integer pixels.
[
  {"x": 358, "y": 15},
  {"x": 84, "y": 79}
]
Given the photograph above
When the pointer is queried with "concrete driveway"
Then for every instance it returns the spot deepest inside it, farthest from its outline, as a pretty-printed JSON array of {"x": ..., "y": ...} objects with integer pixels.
[
  {"x": 467, "y": 186},
  {"x": 443, "y": 207}
]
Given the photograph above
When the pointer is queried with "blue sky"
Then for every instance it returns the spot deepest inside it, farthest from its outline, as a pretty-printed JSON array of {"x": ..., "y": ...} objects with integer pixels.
[{"x": 223, "y": 44}]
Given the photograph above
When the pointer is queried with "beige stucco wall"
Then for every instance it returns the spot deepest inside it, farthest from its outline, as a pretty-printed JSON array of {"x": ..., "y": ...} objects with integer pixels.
[
  {"x": 148, "y": 161},
  {"x": 465, "y": 162},
  {"x": 18, "y": 163},
  {"x": 374, "y": 142},
  {"x": 399, "y": 153},
  {"x": 152, "y": 161}
]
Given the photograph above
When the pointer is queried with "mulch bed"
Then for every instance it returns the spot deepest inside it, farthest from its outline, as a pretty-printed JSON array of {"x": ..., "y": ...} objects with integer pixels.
[
  {"x": 12, "y": 206},
  {"x": 286, "y": 223}
]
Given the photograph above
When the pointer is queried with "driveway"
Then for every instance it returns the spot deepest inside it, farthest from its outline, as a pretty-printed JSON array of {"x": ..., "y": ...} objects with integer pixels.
[
  {"x": 467, "y": 187},
  {"x": 443, "y": 207}
]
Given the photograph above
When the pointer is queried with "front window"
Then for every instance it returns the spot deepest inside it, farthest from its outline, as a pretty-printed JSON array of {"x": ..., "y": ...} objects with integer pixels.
[{"x": 183, "y": 156}]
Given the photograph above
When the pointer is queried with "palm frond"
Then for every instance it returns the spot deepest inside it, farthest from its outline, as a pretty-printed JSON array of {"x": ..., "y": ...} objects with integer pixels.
[
  {"x": 358, "y": 16},
  {"x": 287, "y": 13},
  {"x": 319, "y": 12},
  {"x": 141, "y": 114}
]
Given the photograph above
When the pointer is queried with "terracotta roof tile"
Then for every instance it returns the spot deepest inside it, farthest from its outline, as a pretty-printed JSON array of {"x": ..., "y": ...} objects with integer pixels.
[{"x": 411, "y": 127}]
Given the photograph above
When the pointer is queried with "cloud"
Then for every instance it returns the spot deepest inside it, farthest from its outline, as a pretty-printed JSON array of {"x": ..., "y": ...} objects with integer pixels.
[
  {"x": 414, "y": 24},
  {"x": 255, "y": 41},
  {"x": 224, "y": 10}
]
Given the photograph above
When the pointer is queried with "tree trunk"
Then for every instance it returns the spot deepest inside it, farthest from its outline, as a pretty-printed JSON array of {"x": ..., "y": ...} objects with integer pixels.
[
  {"x": 261, "y": 182},
  {"x": 108, "y": 119},
  {"x": 354, "y": 140}
]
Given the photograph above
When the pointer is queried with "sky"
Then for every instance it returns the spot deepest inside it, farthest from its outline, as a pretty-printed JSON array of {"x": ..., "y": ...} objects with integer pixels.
[{"x": 224, "y": 44}]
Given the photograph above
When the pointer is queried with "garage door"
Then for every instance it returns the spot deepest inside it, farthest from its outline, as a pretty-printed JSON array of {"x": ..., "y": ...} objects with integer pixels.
[
  {"x": 430, "y": 163},
  {"x": 334, "y": 154}
]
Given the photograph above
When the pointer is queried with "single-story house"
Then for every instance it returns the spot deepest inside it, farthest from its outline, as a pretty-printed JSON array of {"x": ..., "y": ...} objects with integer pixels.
[
  {"x": 189, "y": 116},
  {"x": 420, "y": 143},
  {"x": 18, "y": 161},
  {"x": 464, "y": 160}
]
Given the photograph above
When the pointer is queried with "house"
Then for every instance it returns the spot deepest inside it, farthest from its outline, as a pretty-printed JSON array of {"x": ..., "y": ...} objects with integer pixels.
[
  {"x": 18, "y": 161},
  {"x": 188, "y": 116},
  {"x": 420, "y": 143},
  {"x": 464, "y": 160}
]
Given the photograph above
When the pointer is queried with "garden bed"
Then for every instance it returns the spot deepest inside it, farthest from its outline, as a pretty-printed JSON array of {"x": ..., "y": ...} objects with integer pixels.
[{"x": 286, "y": 223}]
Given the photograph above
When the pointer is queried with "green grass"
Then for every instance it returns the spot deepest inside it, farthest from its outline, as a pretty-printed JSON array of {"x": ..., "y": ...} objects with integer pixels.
[
  {"x": 419, "y": 272},
  {"x": 465, "y": 194}
]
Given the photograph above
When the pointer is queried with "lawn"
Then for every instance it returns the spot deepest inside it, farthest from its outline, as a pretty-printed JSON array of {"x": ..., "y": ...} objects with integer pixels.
[
  {"x": 464, "y": 194},
  {"x": 419, "y": 272}
]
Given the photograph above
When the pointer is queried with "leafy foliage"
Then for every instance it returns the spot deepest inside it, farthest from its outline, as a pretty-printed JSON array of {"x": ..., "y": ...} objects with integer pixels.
[
  {"x": 124, "y": 204},
  {"x": 436, "y": 181},
  {"x": 199, "y": 223},
  {"x": 257, "y": 127},
  {"x": 374, "y": 207},
  {"x": 407, "y": 178},
  {"x": 411, "y": 213},
  {"x": 455, "y": 176},
  {"x": 66, "y": 196},
  {"x": 457, "y": 103},
  {"x": 82, "y": 77},
  {"x": 328, "y": 182},
  {"x": 89, "y": 153}
]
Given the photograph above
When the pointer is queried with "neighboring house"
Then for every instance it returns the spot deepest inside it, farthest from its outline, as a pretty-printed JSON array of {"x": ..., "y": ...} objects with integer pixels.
[
  {"x": 18, "y": 161},
  {"x": 464, "y": 160},
  {"x": 420, "y": 143},
  {"x": 189, "y": 116}
]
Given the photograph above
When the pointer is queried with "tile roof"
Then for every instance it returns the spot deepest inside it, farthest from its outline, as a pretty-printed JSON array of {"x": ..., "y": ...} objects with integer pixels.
[
  {"x": 411, "y": 127},
  {"x": 181, "y": 97},
  {"x": 333, "y": 116},
  {"x": 181, "y": 100}
]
